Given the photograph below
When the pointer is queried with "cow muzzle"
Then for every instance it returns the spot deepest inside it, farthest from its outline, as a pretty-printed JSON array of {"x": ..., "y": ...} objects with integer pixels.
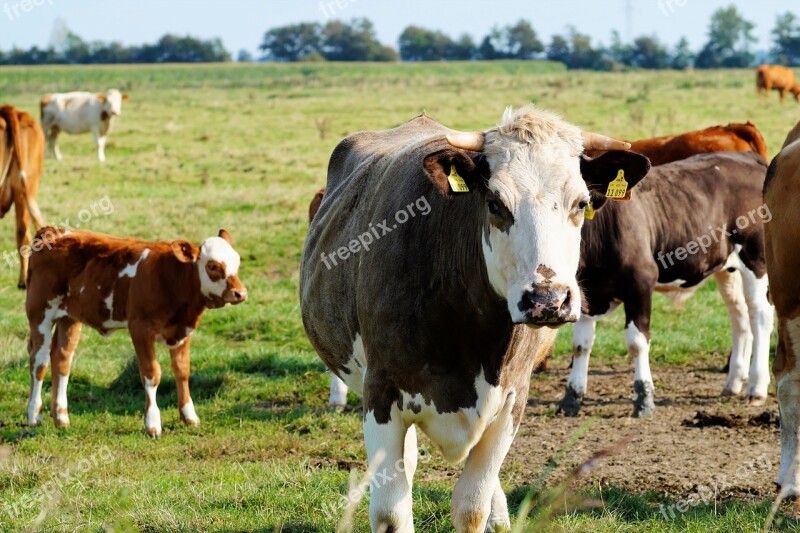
[
  {"x": 547, "y": 306},
  {"x": 235, "y": 295}
]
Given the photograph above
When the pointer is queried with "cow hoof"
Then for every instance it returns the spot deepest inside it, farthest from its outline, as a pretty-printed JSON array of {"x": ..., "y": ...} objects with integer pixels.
[
  {"x": 153, "y": 433},
  {"x": 21, "y": 285},
  {"x": 336, "y": 408},
  {"x": 497, "y": 528},
  {"x": 194, "y": 422},
  {"x": 727, "y": 393},
  {"x": 644, "y": 399},
  {"x": 571, "y": 403},
  {"x": 61, "y": 421},
  {"x": 756, "y": 401}
]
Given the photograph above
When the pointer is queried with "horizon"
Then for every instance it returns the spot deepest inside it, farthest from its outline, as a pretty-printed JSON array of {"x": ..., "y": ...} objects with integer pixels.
[{"x": 241, "y": 24}]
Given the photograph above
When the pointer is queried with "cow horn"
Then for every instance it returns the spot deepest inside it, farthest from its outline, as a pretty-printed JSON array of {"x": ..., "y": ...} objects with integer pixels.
[
  {"x": 595, "y": 141},
  {"x": 467, "y": 140}
]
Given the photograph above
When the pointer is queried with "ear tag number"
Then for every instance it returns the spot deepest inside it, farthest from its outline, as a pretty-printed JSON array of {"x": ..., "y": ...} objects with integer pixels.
[
  {"x": 589, "y": 212},
  {"x": 618, "y": 189},
  {"x": 457, "y": 183}
]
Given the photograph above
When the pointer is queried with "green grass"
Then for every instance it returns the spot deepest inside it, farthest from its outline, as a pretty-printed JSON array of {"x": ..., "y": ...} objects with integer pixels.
[{"x": 199, "y": 148}]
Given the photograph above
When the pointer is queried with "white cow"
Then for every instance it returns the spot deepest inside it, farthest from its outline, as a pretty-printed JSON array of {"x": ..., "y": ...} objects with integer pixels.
[{"x": 80, "y": 112}]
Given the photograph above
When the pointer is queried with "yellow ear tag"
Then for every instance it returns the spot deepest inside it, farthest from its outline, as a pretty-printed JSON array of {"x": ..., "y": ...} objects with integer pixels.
[
  {"x": 589, "y": 212},
  {"x": 618, "y": 188},
  {"x": 457, "y": 183}
]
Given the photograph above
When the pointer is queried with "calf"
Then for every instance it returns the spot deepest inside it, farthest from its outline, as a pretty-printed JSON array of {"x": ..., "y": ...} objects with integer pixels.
[
  {"x": 21, "y": 155},
  {"x": 692, "y": 219},
  {"x": 79, "y": 112},
  {"x": 156, "y": 290},
  {"x": 782, "y": 197}
]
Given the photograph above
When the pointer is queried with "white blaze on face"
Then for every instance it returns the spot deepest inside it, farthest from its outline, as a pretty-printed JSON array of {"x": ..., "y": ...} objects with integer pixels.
[
  {"x": 113, "y": 102},
  {"x": 219, "y": 250},
  {"x": 536, "y": 178}
]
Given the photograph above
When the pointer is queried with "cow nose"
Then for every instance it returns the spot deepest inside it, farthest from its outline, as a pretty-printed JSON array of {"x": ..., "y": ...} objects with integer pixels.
[
  {"x": 239, "y": 295},
  {"x": 547, "y": 306}
]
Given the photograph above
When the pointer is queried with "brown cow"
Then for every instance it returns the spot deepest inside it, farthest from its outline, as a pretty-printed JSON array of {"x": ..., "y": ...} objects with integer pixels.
[
  {"x": 776, "y": 78},
  {"x": 156, "y": 290},
  {"x": 21, "y": 155},
  {"x": 782, "y": 198}
]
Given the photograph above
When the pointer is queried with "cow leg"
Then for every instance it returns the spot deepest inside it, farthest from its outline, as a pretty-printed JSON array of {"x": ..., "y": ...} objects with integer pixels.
[
  {"x": 52, "y": 142},
  {"x": 478, "y": 493},
  {"x": 38, "y": 358},
  {"x": 100, "y": 140},
  {"x": 582, "y": 341},
  {"x": 338, "y": 394},
  {"x": 787, "y": 374},
  {"x": 390, "y": 500},
  {"x": 150, "y": 372},
  {"x": 180, "y": 368},
  {"x": 732, "y": 291},
  {"x": 23, "y": 233},
  {"x": 637, "y": 340},
  {"x": 410, "y": 454},
  {"x": 762, "y": 320},
  {"x": 68, "y": 332}
]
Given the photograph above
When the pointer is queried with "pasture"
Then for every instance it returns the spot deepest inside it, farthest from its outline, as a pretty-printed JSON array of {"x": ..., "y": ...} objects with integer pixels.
[{"x": 199, "y": 148}]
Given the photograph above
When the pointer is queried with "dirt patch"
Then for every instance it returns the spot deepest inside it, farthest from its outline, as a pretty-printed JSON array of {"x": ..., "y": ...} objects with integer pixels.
[{"x": 696, "y": 439}]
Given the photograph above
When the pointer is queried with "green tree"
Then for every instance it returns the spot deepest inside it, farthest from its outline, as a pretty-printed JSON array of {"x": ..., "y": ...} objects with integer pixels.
[
  {"x": 463, "y": 49},
  {"x": 292, "y": 42},
  {"x": 517, "y": 41},
  {"x": 729, "y": 38},
  {"x": 786, "y": 36},
  {"x": 420, "y": 44},
  {"x": 354, "y": 42},
  {"x": 558, "y": 50},
  {"x": 648, "y": 52},
  {"x": 682, "y": 57}
]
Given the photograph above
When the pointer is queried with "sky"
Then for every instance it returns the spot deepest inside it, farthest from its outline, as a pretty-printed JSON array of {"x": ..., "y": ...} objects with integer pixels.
[{"x": 242, "y": 23}]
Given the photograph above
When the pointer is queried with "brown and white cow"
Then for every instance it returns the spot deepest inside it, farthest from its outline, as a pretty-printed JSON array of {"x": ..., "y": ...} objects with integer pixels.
[
  {"x": 782, "y": 197},
  {"x": 434, "y": 305},
  {"x": 156, "y": 290},
  {"x": 21, "y": 155},
  {"x": 777, "y": 78},
  {"x": 692, "y": 219},
  {"x": 80, "y": 112}
]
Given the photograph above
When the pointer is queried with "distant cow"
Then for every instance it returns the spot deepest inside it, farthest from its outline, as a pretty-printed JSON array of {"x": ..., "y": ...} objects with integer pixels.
[
  {"x": 691, "y": 219},
  {"x": 79, "y": 112},
  {"x": 156, "y": 290},
  {"x": 776, "y": 78},
  {"x": 782, "y": 197},
  {"x": 21, "y": 154},
  {"x": 431, "y": 282}
]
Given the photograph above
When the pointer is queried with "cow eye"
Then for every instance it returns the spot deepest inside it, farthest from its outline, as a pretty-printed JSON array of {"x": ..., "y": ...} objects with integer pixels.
[
  {"x": 494, "y": 207},
  {"x": 583, "y": 204}
]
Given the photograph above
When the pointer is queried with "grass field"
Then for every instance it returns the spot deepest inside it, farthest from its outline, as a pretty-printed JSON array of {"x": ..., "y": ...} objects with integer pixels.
[{"x": 244, "y": 148}]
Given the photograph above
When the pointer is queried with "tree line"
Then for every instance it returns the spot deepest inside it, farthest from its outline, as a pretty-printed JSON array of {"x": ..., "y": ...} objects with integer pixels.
[{"x": 730, "y": 44}]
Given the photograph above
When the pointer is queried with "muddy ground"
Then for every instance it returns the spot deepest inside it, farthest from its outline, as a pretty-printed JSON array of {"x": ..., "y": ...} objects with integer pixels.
[{"x": 737, "y": 451}]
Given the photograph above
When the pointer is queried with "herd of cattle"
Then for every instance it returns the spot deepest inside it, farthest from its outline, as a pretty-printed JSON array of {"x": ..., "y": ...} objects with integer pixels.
[
  {"x": 534, "y": 224},
  {"x": 531, "y": 224}
]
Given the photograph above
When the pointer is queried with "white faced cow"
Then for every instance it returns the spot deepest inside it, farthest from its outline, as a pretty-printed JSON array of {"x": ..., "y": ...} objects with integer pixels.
[
  {"x": 80, "y": 112},
  {"x": 436, "y": 316},
  {"x": 692, "y": 219}
]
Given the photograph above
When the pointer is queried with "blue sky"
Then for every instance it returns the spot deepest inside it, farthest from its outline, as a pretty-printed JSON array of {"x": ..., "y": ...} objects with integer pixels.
[{"x": 241, "y": 23}]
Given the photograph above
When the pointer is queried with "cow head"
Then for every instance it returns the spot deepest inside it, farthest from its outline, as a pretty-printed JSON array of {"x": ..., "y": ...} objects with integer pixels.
[
  {"x": 217, "y": 267},
  {"x": 535, "y": 189},
  {"x": 112, "y": 102}
]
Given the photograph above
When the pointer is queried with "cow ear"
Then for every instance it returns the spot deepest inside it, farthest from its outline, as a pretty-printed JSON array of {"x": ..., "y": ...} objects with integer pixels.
[
  {"x": 101, "y": 97},
  {"x": 226, "y": 236},
  {"x": 471, "y": 167},
  {"x": 602, "y": 170},
  {"x": 125, "y": 97},
  {"x": 185, "y": 251}
]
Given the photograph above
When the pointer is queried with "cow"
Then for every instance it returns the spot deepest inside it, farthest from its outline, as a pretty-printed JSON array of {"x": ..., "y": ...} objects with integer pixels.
[
  {"x": 692, "y": 219},
  {"x": 21, "y": 155},
  {"x": 156, "y": 290},
  {"x": 782, "y": 198},
  {"x": 778, "y": 78},
  {"x": 432, "y": 280},
  {"x": 734, "y": 137},
  {"x": 80, "y": 112}
]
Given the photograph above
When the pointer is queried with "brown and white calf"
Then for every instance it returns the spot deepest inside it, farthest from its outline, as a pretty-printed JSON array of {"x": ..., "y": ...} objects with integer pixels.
[
  {"x": 782, "y": 197},
  {"x": 690, "y": 220},
  {"x": 156, "y": 290},
  {"x": 433, "y": 276},
  {"x": 80, "y": 112}
]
